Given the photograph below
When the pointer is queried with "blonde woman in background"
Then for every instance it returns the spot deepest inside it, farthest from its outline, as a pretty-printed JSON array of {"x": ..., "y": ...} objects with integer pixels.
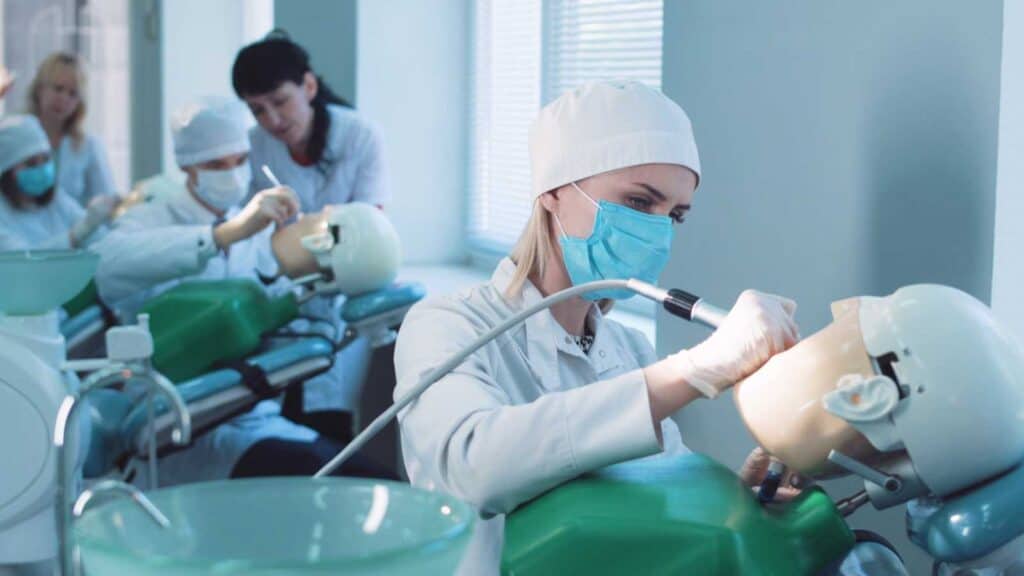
[{"x": 57, "y": 98}]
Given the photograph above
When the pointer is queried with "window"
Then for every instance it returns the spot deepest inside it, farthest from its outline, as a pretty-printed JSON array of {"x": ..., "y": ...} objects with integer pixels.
[
  {"x": 97, "y": 31},
  {"x": 506, "y": 97},
  {"x": 527, "y": 53},
  {"x": 588, "y": 40}
]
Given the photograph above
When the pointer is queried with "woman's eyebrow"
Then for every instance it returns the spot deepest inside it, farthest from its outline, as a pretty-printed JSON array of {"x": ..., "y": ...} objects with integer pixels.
[{"x": 658, "y": 194}]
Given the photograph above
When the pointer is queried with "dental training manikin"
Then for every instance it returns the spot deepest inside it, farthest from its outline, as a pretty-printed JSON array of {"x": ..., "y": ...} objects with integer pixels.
[
  {"x": 353, "y": 244},
  {"x": 926, "y": 371},
  {"x": 782, "y": 404},
  {"x": 921, "y": 394}
]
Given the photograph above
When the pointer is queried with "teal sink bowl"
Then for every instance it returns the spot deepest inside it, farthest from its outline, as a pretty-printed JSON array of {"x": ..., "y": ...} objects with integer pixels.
[
  {"x": 277, "y": 526},
  {"x": 37, "y": 281}
]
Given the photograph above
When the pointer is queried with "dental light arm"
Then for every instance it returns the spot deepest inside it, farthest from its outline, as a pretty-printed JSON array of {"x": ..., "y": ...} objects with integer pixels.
[{"x": 677, "y": 302}]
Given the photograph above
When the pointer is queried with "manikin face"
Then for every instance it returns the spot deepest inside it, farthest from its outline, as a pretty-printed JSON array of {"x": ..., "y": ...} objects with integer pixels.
[{"x": 781, "y": 403}]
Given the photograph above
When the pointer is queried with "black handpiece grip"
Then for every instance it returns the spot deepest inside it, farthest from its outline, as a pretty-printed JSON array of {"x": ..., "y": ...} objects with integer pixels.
[{"x": 680, "y": 303}]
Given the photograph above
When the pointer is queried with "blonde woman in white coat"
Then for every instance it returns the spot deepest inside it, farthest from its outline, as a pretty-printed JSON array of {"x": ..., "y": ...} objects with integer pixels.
[{"x": 615, "y": 168}]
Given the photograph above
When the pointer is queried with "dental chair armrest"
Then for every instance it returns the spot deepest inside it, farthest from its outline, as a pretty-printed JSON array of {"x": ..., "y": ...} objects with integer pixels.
[
  {"x": 375, "y": 314},
  {"x": 222, "y": 394},
  {"x": 363, "y": 307}
]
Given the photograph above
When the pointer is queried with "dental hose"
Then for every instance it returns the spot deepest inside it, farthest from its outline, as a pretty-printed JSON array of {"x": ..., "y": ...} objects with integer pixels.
[{"x": 676, "y": 302}]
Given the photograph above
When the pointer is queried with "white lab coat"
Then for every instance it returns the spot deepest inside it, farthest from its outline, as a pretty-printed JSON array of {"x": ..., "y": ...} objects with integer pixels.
[
  {"x": 155, "y": 246},
  {"x": 354, "y": 173},
  {"x": 530, "y": 410},
  {"x": 43, "y": 227},
  {"x": 83, "y": 171},
  {"x": 526, "y": 412}
]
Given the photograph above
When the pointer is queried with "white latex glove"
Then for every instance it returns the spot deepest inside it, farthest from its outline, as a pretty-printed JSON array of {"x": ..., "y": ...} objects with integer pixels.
[
  {"x": 273, "y": 205},
  {"x": 758, "y": 327},
  {"x": 97, "y": 213}
]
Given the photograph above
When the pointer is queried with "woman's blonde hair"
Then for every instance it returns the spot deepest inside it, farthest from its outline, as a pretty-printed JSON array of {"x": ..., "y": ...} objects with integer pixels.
[
  {"x": 74, "y": 126},
  {"x": 531, "y": 252}
]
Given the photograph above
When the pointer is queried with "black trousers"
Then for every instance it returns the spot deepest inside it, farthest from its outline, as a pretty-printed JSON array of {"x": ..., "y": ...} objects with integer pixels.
[{"x": 277, "y": 457}]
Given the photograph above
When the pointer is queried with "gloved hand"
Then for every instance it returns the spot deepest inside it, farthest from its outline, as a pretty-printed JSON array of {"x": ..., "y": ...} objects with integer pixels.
[
  {"x": 758, "y": 327},
  {"x": 97, "y": 213},
  {"x": 755, "y": 470},
  {"x": 267, "y": 206}
]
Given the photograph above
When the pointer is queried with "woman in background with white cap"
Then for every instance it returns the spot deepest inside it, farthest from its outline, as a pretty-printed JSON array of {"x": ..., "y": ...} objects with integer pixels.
[
  {"x": 615, "y": 167},
  {"x": 35, "y": 212}
]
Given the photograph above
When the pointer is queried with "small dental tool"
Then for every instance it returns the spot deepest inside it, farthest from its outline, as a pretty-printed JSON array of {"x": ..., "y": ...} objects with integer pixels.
[{"x": 270, "y": 175}]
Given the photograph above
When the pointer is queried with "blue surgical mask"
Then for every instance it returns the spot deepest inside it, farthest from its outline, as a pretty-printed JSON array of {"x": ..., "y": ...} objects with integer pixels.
[
  {"x": 624, "y": 244},
  {"x": 36, "y": 180}
]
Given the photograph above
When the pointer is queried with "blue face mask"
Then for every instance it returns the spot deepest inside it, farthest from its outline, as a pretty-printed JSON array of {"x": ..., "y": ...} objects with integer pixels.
[
  {"x": 624, "y": 244},
  {"x": 36, "y": 180}
]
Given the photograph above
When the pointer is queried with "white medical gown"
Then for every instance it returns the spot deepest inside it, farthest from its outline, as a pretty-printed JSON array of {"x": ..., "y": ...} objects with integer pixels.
[
  {"x": 39, "y": 227},
  {"x": 82, "y": 169},
  {"x": 530, "y": 410},
  {"x": 524, "y": 413}
]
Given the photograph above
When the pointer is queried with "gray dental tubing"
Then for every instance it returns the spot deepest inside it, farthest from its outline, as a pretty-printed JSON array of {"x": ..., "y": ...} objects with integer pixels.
[{"x": 676, "y": 302}]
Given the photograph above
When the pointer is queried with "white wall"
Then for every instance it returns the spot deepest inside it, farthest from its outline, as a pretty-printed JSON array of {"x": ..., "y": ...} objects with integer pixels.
[
  {"x": 848, "y": 148},
  {"x": 412, "y": 82},
  {"x": 1008, "y": 266},
  {"x": 200, "y": 41}
]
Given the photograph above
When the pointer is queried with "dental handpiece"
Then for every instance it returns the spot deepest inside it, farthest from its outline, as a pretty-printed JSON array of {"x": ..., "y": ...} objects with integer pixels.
[
  {"x": 771, "y": 482},
  {"x": 676, "y": 302}
]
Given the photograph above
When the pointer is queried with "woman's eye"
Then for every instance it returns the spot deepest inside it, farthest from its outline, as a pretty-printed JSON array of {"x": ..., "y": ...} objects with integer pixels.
[
  {"x": 280, "y": 102},
  {"x": 678, "y": 217},
  {"x": 640, "y": 203}
]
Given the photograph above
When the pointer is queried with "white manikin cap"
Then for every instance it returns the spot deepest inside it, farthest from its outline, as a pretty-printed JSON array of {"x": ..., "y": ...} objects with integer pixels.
[
  {"x": 21, "y": 137},
  {"x": 604, "y": 126},
  {"x": 209, "y": 129}
]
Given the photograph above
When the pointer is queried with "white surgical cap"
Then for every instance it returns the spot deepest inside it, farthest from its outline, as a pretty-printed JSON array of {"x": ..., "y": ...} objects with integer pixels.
[
  {"x": 21, "y": 137},
  {"x": 604, "y": 126},
  {"x": 209, "y": 129}
]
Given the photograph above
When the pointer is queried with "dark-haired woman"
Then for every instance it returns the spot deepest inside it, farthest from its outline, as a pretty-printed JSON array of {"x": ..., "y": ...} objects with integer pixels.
[
  {"x": 316, "y": 144},
  {"x": 34, "y": 212},
  {"x": 310, "y": 137}
]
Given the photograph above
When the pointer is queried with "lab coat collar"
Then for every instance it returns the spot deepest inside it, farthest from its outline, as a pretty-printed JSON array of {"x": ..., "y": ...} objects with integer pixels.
[{"x": 545, "y": 337}]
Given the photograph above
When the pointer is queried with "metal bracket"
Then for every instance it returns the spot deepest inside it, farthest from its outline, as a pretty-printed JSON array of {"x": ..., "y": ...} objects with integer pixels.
[{"x": 887, "y": 481}]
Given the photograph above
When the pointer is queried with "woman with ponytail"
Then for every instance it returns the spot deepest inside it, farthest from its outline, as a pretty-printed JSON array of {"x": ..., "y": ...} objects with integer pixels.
[
  {"x": 316, "y": 144},
  {"x": 310, "y": 137}
]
